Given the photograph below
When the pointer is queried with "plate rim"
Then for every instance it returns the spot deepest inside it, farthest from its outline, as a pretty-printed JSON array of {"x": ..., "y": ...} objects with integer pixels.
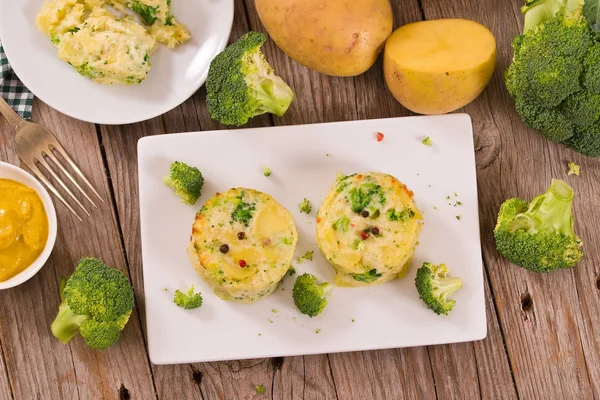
[{"x": 124, "y": 121}]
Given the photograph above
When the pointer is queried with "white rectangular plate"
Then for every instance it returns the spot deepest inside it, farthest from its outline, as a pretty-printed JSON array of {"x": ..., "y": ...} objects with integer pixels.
[{"x": 305, "y": 161}]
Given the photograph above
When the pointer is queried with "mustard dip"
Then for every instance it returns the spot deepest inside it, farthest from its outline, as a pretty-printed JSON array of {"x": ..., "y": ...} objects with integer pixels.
[{"x": 23, "y": 228}]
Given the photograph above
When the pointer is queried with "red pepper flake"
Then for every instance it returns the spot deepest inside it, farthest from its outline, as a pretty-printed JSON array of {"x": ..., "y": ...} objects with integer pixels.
[
  {"x": 352, "y": 225},
  {"x": 266, "y": 241},
  {"x": 318, "y": 220},
  {"x": 242, "y": 263},
  {"x": 380, "y": 137},
  {"x": 364, "y": 235}
]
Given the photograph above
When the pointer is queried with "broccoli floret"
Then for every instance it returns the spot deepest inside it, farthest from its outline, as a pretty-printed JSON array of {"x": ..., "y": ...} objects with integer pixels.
[
  {"x": 427, "y": 141},
  {"x": 305, "y": 206},
  {"x": 186, "y": 181},
  {"x": 551, "y": 122},
  {"x": 586, "y": 140},
  {"x": 539, "y": 235},
  {"x": 574, "y": 169},
  {"x": 368, "y": 277},
  {"x": 435, "y": 287},
  {"x": 260, "y": 389},
  {"x": 591, "y": 72},
  {"x": 404, "y": 215},
  {"x": 241, "y": 84},
  {"x": 366, "y": 196},
  {"x": 267, "y": 171},
  {"x": 553, "y": 77},
  {"x": 148, "y": 13},
  {"x": 189, "y": 300},
  {"x": 96, "y": 302},
  {"x": 581, "y": 108},
  {"x": 309, "y": 295}
]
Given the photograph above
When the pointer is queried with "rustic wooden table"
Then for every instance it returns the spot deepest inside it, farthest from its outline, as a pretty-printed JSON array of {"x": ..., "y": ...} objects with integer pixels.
[{"x": 543, "y": 330}]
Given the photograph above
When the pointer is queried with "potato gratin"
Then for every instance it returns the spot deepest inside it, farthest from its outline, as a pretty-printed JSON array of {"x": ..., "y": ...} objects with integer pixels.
[
  {"x": 242, "y": 244},
  {"x": 109, "y": 48},
  {"x": 368, "y": 228}
]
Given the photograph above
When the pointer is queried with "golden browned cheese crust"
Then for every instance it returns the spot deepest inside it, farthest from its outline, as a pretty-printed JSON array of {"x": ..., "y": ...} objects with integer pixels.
[{"x": 368, "y": 227}]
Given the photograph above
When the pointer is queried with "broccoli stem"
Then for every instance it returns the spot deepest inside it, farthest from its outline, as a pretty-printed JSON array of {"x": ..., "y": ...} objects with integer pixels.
[
  {"x": 67, "y": 323},
  {"x": 539, "y": 11},
  {"x": 273, "y": 94},
  {"x": 444, "y": 287},
  {"x": 549, "y": 212}
]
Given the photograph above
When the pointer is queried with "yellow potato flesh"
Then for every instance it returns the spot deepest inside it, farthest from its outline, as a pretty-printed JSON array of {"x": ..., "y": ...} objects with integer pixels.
[
  {"x": 333, "y": 37},
  {"x": 435, "y": 67}
]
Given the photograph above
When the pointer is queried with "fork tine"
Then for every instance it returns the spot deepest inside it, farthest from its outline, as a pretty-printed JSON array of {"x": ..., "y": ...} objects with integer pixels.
[
  {"x": 61, "y": 183},
  {"x": 64, "y": 171},
  {"x": 56, "y": 146},
  {"x": 36, "y": 171}
]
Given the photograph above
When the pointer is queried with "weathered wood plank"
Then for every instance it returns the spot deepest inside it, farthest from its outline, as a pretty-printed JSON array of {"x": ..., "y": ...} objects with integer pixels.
[
  {"x": 5, "y": 390},
  {"x": 74, "y": 370},
  {"x": 194, "y": 381},
  {"x": 544, "y": 331}
]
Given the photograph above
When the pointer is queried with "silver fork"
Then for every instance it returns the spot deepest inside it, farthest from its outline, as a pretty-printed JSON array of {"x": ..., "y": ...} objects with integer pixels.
[{"x": 36, "y": 143}]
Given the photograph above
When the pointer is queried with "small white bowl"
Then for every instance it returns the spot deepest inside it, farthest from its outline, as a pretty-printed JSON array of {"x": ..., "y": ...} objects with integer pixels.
[{"x": 9, "y": 171}]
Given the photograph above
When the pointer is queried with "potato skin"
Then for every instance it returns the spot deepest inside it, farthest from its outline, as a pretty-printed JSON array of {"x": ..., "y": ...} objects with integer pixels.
[
  {"x": 435, "y": 92},
  {"x": 333, "y": 37}
]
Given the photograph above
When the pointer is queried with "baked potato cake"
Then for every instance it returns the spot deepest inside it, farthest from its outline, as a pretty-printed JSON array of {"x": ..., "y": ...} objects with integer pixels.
[
  {"x": 368, "y": 227},
  {"x": 242, "y": 244}
]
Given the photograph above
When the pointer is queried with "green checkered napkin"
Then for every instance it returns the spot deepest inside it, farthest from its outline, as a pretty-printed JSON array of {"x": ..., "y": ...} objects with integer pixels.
[{"x": 12, "y": 90}]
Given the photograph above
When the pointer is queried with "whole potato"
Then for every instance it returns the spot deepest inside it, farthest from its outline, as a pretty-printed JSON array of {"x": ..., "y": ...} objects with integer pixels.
[
  {"x": 435, "y": 67},
  {"x": 333, "y": 37}
]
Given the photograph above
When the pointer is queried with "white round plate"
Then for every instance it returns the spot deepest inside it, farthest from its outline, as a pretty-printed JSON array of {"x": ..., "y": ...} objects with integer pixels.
[{"x": 174, "y": 77}]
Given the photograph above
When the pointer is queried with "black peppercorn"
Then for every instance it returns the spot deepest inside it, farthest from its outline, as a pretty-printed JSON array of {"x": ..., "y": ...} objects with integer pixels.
[{"x": 224, "y": 249}]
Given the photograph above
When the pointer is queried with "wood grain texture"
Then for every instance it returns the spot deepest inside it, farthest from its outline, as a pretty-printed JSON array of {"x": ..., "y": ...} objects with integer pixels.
[
  {"x": 547, "y": 320},
  {"x": 543, "y": 337},
  {"x": 5, "y": 389},
  {"x": 73, "y": 370}
]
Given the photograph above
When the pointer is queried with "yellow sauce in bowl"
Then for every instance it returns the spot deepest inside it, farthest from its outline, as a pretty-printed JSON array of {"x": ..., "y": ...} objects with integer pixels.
[{"x": 23, "y": 228}]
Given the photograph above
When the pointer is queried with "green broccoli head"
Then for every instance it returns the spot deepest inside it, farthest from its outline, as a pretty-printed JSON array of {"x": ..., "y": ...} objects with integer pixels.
[
  {"x": 553, "y": 77},
  {"x": 586, "y": 140},
  {"x": 309, "y": 295},
  {"x": 554, "y": 125},
  {"x": 186, "y": 181},
  {"x": 241, "y": 84},
  {"x": 96, "y": 302},
  {"x": 189, "y": 300},
  {"x": 581, "y": 108},
  {"x": 435, "y": 287},
  {"x": 539, "y": 235}
]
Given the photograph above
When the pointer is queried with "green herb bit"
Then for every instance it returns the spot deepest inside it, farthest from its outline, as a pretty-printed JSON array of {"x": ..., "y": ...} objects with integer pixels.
[
  {"x": 367, "y": 277},
  {"x": 458, "y": 217},
  {"x": 292, "y": 271},
  {"x": 260, "y": 389},
  {"x": 402, "y": 216},
  {"x": 308, "y": 256},
  {"x": 305, "y": 206},
  {"x": 362, "y": 197},
  {"x": 267, "y": 171},
  {"x": 270, "y": 320},
  {"x": 427, "y": 141},
  {"x": 574, "y": 169},
  {"x": 243, "y": 211},
  {"x": 317, "y": 331}
]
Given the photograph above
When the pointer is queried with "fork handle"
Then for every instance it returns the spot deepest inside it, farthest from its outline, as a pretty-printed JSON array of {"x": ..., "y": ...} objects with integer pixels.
[{"x": 11, "y": 116}]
